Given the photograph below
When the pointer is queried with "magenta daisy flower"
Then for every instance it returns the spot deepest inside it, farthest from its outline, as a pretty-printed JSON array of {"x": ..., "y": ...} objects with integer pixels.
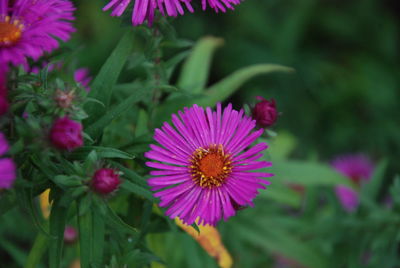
[
  {"x": 144, "y": 9},
  {"x": 7, "y": 166},
  {"x": 358, "y": 168},
  {"x": 205, "y": 164},
  {"x": 28, "y": 28}
]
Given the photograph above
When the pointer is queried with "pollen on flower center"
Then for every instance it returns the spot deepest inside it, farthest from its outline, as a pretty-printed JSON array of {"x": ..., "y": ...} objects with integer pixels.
[
  {"x": 10, "y": 32},
  {"x": 210, "y": 167}
]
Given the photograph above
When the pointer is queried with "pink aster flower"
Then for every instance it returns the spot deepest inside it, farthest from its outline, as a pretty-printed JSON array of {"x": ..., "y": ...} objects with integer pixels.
[
  {"x": 357, "y": 168},
  {"x": 28, "y": 28},
  {"x": 7, "y": 166},
  {"x": 144, "y": 9},
  {"x": 205, "y": 164}
]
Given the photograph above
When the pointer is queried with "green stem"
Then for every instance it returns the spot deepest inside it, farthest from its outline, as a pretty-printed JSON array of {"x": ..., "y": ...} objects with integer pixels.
[{"x": 36, "y": 253}]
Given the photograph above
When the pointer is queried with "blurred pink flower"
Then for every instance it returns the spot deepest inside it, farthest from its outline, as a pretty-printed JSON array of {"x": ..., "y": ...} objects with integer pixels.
[
  {"x": 358, "y": 168},
  {"x": 30, "y": 28},
  {"x": 82, "y": 77},
  {"x": 66, "y": 134},
  {"x": 7, "y": 166},
  {"x": 265, "y": 112},
  {"x": 144, "y": 9},
  {"x": 105, "y": 181},
  {"x": 70, "y": 234}
]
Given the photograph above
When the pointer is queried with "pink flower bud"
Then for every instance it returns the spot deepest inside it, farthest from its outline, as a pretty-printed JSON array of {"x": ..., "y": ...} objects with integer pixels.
[
  {"x": 265, "y": 112},
  {"x": 64, "y": 99},
  {"x": 105, "y": 181},
  {"x": 66, "y": 134},
  {"x": 70, "y": 235}
]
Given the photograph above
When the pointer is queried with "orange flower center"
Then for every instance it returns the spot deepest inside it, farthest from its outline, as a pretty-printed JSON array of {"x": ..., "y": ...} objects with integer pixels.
[
  {"x": 210, "y": 167},
  {"x": 10, "y": 32}
]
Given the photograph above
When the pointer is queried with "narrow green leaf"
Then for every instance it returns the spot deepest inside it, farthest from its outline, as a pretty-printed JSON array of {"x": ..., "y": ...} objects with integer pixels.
[
  {"x": 96, "y": 128},
  {"x": 371, "y": 189},
  {"x": 58, "y": 217},
  {"x": 138, "y": 190},
  {"x": 307, "y": 173},
  {"x": 104, "y": 82},
  {"x": 102, "y": 152},
  {"x": 195, "y": 70},
  {"x": 39, "y": 247},
  {"x": 131, "y": 175},
  {"x": 17, "y": 254},
  {"x": 98, "y": 229},
  {"x": 225, "y": 88},
  {"x": 85, "y": 223},
  {"x": 281, "y": 194},
  {"x": 116, "y": 221},
  {"x": 216, "y": 93},
  {"x": 274, "y": 239}
]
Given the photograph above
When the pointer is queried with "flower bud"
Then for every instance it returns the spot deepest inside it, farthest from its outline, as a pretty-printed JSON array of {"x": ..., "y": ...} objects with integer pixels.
[
  {"x": 64, "y": 99},
  {"x": 265, "y": 112},
  {"x": 105, "y": 181},
  {"x": 70, "y": 235},
  {"x": 66, "y": 134}
]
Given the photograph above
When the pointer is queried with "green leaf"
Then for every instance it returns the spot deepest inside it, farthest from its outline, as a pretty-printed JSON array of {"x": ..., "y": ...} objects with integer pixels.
[
  {"x": 103, "y": 84},
  {"x": 118, "y": 223},
  {"x": 216, "y": 93},
  {"x": 39, "y": 247},
  {"x": 102, "y": 152},
  {"x": 96, "y": 128},
  {"x": 58, "y": 217},
  {"x": 225, "y": 88},
  {"x": 371, "y": 189},
  {"x": 131, "y": 175},
  {"x": 85, "y": 223},
  {"x": 195, "y": 70},
  {"x": 98, "y": 229},
  {"x": 138, "y": 190},
  {"x": 306, "y": 173},
  {"x": 281, "y": 194},
  {"x": 274, "y": 239}
]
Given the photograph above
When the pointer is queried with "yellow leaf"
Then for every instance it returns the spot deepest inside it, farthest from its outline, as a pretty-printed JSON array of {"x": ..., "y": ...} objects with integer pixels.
[
  {"x": 210, "y": 239},
  {"x": 44, "y": 203}
]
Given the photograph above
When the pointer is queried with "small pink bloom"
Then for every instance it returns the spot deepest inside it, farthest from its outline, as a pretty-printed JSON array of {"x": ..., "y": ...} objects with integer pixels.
[
  {"x": 347, "y": 197},
  {"x": 358, "y": 168},
  {"x": 7, "y": 166},
  {"x": 265, "y": 112},
  {"x": 70, "y": 235},
  {"x": 81, "y": 76},
  {"x": 105, "y": 180},
  {"x": 66, "y": 134}
]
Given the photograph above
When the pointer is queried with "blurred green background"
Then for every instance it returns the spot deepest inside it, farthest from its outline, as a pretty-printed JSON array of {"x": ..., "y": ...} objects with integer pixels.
[
  {"x": 345, "y": 92},
  {"x": 342, "y": 98}
]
